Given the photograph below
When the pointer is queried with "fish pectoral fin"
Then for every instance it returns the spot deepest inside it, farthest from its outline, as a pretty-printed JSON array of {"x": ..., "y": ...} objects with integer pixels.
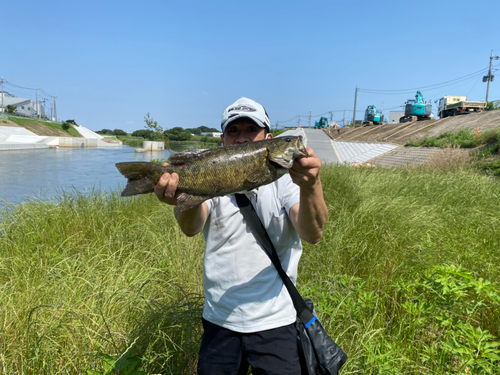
[
  {"x": 186, "y": 201},
  {"x": 184, "y": 157},
  {"x": 258, "y": 175}
]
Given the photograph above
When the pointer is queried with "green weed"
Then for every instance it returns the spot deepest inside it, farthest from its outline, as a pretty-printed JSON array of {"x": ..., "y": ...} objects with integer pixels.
[
  {"x": 463, "y": 139},
  {"x": 405, "y": 278}
]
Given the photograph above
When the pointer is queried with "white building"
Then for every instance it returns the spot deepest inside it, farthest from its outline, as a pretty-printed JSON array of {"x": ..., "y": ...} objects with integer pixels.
[
  {"x": 211, "y": 134},
  {"x": 394, "y": 116},
  {"x": 23, "y": 106}
]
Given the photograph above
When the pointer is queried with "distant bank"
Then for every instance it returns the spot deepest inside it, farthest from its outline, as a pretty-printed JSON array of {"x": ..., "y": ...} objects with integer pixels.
[{"x": 17, "y": 133}]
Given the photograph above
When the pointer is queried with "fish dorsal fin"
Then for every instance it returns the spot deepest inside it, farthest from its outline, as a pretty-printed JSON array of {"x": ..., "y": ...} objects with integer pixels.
[
  {"x": 258, "y": 175},
  {"x": 185, "y": 157},
  {"x": 186, "y": 201}
]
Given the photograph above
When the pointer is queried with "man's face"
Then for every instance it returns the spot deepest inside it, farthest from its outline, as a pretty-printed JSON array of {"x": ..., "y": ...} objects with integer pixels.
[{"x": 243, "y": 131}]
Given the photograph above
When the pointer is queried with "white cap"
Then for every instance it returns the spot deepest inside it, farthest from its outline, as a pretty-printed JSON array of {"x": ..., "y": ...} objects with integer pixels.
[{"x": 245, "y": 108}]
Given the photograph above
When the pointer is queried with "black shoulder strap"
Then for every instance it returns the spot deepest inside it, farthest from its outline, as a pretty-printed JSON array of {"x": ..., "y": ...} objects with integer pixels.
[{"x": 260, "y": 233}]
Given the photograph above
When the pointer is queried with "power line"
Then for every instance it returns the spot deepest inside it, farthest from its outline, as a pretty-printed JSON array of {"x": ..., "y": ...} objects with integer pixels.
[
  {"x": 20, "y": 87},
  {"x": 456, "y": 80},
  {"x": 25, "y": 88},
  {"x": 292, "y": 119}
]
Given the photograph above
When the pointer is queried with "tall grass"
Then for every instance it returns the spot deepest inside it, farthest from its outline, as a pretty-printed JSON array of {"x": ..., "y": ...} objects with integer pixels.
[
  {"x": 86, "y": 275},
  {"x": 464, "y": 138},
  {"x": 405, "y": 278}
]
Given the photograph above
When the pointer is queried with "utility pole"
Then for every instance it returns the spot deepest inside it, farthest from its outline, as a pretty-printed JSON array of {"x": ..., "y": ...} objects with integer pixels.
[
  {"x": 343, "y": 119},
  {"x": 331, "y": 116},
  {"x": 55, "y": 111},
  {"x": 36, "y": 103},
  {"x": 355, "y": 101},
  {"x": 277, "y": 122},
  {"x": 43, "y": 100},
  {"x": 489, "y": 78},
  {"x": 1, "y": 80},
  {"x": 310, "y": 112}
]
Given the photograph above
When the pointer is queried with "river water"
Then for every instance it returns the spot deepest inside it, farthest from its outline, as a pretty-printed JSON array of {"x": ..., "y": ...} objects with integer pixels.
[{"x": 46, "y": 173}]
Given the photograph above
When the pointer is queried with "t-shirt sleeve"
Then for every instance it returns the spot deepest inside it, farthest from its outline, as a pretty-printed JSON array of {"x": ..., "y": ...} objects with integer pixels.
[
  {"x": 210, "y": 204},
  {"x": 290, "y": 193}
]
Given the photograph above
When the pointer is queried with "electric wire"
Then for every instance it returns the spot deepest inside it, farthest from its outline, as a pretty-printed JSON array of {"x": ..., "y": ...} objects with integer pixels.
[
  {"x": 468, "y": 76},
  {"x": 8, "y": 83}
]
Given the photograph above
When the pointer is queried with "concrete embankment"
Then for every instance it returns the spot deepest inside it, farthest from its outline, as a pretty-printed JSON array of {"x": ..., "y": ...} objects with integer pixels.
[
  {"x": 398, "y": 135},
  {"x": 151, "y": 146},
  {"x": 15, "y": 137}
]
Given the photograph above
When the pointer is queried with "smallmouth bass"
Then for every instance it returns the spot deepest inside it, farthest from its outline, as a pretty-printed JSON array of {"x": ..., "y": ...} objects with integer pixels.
[{"x": 204, "y": 174}]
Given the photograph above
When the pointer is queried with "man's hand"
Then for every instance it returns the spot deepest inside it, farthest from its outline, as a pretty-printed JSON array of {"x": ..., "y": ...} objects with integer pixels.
[
  {"x": 310, "y": 215},
  {"x": 190, "y": 221},
  {"x": 305, "y": 171},
  {"x": 166, "y": 188}
]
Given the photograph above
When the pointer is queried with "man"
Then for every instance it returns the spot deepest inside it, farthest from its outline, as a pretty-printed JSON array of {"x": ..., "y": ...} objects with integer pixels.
[{"x": 249, "y": 318}]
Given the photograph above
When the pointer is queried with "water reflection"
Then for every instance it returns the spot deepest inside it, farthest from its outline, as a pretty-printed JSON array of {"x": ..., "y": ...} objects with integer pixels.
[{"x": 37, "y": 173}]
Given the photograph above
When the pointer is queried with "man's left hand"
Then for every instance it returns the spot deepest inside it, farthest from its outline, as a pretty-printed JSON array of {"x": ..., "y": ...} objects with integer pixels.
[{"x": 305, "y": 171}]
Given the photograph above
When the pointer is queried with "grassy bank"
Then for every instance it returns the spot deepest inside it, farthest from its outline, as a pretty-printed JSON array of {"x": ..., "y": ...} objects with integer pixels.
[
  {"x": 405, "y": 278},
  {"x": 24, "y": 122},
  {"x": 485, "y": 157}
]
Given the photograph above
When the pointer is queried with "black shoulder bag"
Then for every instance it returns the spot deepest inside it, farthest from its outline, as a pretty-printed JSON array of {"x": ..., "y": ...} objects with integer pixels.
[{"x": 320, "y": 354}]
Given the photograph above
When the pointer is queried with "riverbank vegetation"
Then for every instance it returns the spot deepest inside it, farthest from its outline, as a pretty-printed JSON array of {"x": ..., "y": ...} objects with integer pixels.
[
  {"x": 198, "y": 140},
  {"x": 484, "y": 155},
  {"x": 405, "y": 279},
  {"x": 31, "y": 124}
]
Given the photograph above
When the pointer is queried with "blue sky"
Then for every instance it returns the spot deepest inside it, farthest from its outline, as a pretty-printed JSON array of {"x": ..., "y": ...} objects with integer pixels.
[{"x": 111, "y": 62}]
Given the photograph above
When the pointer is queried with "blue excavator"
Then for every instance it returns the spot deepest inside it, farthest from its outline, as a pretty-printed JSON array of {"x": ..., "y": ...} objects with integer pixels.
[
  {"x": 416, "y": 109},
  {"x": 373, "y": 116},
  {"x": 321, "y": 124}
]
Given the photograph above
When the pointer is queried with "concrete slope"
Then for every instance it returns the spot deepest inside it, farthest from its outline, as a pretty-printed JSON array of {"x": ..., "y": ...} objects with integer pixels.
[
  {"x": 402, "y": 133},
  {"x": 413, "y": 156},
  {"x": 8, "y": 131},
  {"x": 330, "y": 151},
  {"x": 360, "y": 152},
  {"x": 87, "y": 133},
  {"x": 322, "y": 145}
]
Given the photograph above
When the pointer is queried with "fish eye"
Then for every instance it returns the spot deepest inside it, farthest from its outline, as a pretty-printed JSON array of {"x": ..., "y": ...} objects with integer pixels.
[{"x": 287, "y": 139}]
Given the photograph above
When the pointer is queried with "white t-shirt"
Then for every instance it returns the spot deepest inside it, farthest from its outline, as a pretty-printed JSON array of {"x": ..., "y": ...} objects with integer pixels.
[{"x": 243, "y": 289}]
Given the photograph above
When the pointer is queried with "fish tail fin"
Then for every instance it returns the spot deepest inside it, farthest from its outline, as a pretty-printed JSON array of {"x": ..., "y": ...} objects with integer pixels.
[{"x": 141, "y": 177}]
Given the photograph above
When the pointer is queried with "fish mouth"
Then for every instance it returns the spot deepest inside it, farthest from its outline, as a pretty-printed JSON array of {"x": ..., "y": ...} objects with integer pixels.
[
  {"x": 278, "y": 166},
  {"x": 303, "y": 151},
  {"x": 302, "y": 148}
]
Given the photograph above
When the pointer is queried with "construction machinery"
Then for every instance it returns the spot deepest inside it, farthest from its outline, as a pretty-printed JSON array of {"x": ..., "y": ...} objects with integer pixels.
[
  {"x": 417, "y": 109},
  {"x": 321, "y": 124},
  {"x": 373, "y": 116},
  {"x": 458, "y": 105}
]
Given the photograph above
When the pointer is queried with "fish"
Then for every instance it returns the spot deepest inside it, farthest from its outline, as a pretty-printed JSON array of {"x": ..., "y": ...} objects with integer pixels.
[{"x": 208, "y": 173}]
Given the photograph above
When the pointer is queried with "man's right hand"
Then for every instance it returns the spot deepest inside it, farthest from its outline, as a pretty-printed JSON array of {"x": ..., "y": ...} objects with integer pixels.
[
  {"x": 190, "y": 221},
  {"x": 166, "y": 188}
]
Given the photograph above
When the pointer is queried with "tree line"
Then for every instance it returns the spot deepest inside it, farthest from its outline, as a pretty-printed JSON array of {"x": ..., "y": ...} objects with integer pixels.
[{"x": 175, "y": 134}]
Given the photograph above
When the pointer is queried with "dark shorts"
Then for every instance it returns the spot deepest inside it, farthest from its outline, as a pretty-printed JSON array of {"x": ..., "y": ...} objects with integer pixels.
[{"x": 269, "y": 352}]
